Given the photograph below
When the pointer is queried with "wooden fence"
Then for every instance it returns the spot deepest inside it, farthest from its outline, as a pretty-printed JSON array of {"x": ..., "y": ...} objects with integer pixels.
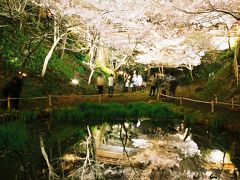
[{"x": 60, "y": 100}]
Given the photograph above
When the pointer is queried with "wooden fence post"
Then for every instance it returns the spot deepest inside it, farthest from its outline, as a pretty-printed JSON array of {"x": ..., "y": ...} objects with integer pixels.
[
  {"x": 158, "y": 95},
  {"x": 232, "y": 103},
  {"x": 181, "y": 101},
  {"x": 216, "y": 99},
  {"x": 99, "y": 99},
  {"x": 212, "y": 106},
  {"x": 9, "y": 103},
  {"x": 50, "y": 101}
]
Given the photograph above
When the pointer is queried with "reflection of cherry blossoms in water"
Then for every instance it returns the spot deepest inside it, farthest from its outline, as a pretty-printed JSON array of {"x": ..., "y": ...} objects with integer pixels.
[{"x": 168, "y": 157}]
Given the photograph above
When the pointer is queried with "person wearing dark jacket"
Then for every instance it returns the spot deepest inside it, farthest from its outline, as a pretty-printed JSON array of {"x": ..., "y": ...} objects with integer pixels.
[
  {"x": 13, "y": 90},
  {"x": 173, "y": 86}
]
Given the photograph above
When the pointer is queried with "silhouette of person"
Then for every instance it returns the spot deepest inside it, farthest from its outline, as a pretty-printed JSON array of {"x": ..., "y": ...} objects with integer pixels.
[
  {"x": 13, "y": 90},
  {"x": 110, "y": 85},
  {"x": 172, "y": 86}
]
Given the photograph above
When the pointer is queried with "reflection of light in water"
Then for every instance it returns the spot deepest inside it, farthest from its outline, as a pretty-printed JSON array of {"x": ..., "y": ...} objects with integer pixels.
[
  {"x": 138, "y": 124},
  {"x": 141, "y": 143},
  {"x": 186, "y": 136},
  {"x": 126, "y": 124},
  {"x": 216, "y": 156}
]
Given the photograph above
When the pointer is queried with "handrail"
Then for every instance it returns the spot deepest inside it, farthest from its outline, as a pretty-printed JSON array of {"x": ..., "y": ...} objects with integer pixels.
[
  {"x": 230, "y": 104},
  {"x": 49, "y": 97},
  {"x": 194, "y": 100}
]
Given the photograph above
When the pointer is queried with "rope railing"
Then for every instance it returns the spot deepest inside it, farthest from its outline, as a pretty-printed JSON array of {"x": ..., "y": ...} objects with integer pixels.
[
  {"x": 198, "y": 101},
  {"x": 51, "y": 99}
]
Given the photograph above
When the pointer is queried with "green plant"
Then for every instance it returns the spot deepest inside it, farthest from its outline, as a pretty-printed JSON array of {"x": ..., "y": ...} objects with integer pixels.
[
  {"x": 216, "y": 122},
  {"x": 114, "y": 111},
  {"x": 68, "y": 115},
  {"x": 160, "y": 112},
  {"x": 14, "y": 136}
]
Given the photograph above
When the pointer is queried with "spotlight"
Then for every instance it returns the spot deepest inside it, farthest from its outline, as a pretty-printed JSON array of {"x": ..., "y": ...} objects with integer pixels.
[
  {"x": 22, "y": 73},
  {"x": 74, "y": 81}
]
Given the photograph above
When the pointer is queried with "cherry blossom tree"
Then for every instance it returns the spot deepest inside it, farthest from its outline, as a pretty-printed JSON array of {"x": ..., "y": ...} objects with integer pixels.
[{"x": 145, "y": 26}]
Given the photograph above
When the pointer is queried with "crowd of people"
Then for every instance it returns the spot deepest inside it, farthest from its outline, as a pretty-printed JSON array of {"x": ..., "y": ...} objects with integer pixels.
[
  {"x": 159, "y": 83},
  {"x": 126, "y": 82}
]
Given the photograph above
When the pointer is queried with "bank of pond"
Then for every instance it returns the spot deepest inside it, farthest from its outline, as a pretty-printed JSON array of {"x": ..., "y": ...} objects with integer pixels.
[{"x": 63, "y": 143}]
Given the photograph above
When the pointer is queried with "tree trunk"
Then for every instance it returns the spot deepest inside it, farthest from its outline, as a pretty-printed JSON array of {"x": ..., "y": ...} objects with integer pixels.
[
  {"x": 51, "y": 174},
  {"x": 190, "y": 67},
  {"x": 49, "y": 55},
  {"x": 228, "y": 38},
  {"x": 64, "y": 45},
  {"x": 149, "y": 73},
  {"x": 235, "y": 60},
  {"x": 90, "y": 76},
  {"x": 191, "y": 74},
  {"x": 92, "y": 54},
  {"x": 121, "y": 62}
]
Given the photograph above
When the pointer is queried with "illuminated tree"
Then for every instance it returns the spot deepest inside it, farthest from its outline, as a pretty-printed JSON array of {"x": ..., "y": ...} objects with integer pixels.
[
  {"x": 140, "y": 26},
  {"x": 18, "y": 24}
]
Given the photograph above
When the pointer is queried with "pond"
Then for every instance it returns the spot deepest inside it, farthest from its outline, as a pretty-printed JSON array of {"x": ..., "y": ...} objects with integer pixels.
[
  {"x": 164, "y": 150},
  {"x": 153, "y": 149}
]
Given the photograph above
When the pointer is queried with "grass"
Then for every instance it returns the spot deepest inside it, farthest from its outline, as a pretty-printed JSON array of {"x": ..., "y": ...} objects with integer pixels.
[
  {"x": 14, "y": 136},
  {"x": 93, "y": 113}
]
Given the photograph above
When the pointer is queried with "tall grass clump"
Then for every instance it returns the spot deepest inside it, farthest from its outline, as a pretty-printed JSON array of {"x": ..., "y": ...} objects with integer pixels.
[
  {"x": 159, "y": 111},
  {"x": 14, "y": 136},
  {"x": 216, "y": 122},
  {"x": 91, "y": 111},
  {"x": 68, "y": 115},
  {"x": 27, "y": 116},
  {"x": 139, "y": 110},
  {"x": 114, "y": 111},
  {"x": 192, "y": 117}
]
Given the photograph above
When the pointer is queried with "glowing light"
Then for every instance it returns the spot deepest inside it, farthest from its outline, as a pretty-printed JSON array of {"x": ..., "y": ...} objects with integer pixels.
[
  {"x": 22, "y": 74},
  {"x": 75, "y": 82},
  {"x": 216, "y": 156},
  {"x": 120, "y": 72}
]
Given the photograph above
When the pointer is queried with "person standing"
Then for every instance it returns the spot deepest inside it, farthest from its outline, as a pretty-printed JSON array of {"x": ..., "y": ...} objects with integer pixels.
[
  {"x": 110, "y": 85},
  {"x": 134, "y": 81},
  {"x": 120, "y": 79},
  {"x": 127, "y": 84},
  {"x": 100, "y": 84},
  {"x": 153, "y": 81},
  {"x": 13, "y": 90},
  {"x": 173, "y": 86}
]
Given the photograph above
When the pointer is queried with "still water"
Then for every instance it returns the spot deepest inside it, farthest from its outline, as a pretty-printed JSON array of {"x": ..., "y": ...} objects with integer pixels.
[
  {"x": 153, "y": 149},
  {"x": 164, "y": 150}
]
